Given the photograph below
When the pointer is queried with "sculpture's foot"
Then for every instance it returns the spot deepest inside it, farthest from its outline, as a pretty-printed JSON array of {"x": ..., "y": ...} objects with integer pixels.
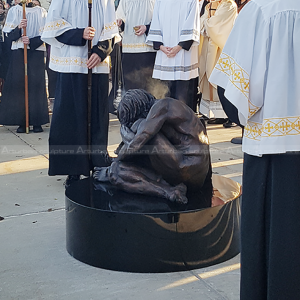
[
  {"x": 178, "y": 194},
  {"x": 101, "y": 174}
]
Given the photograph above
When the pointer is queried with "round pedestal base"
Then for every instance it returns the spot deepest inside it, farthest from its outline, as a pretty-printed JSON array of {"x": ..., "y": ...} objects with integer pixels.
[{"x": 147, "y": 242}]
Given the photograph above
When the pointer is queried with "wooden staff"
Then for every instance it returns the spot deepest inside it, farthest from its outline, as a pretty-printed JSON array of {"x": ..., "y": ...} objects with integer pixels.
[
  {"x": 211, "y": 92},
  {"x": 90, "y": 74},
  {"x": 26, "y": 71}
]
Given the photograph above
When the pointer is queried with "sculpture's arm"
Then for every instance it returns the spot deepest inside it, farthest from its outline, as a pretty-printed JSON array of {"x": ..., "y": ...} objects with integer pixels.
[
  {"x": 151, "y": 126},
  {"x": 127, "y": 134},
  {"x": 147, "y": 129}
]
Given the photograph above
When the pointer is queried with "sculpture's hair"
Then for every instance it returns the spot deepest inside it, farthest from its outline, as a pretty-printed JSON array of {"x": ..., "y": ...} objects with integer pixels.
[{"x": 135, "y": 104}]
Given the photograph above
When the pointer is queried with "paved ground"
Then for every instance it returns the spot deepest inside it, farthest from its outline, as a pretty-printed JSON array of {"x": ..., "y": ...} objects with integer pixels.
[{"x": 34, "y": 263}]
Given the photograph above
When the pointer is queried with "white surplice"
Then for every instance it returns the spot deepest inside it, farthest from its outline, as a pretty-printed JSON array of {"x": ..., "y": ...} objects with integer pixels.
[
  {"x": 71, "y": 14},
  {"x": 135, "y": 13},
  {"x": 36, "y": 18},
  {"x": 176, "y": 21},
  {"x": 260, "y": 72},
  {"x": 214, "y": 33}
]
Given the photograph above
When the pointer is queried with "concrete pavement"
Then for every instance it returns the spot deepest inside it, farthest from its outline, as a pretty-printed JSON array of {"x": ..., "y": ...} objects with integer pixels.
[{"x": 34, "y": 263}]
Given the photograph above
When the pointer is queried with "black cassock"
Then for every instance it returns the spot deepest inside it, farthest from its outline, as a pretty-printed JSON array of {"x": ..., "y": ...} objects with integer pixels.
[
  {"x": 68, "y": 150},
  {"x": 137, "y": 68},
  {"x": 12, "y": 105},
  {"x": 5, "y": 54}
]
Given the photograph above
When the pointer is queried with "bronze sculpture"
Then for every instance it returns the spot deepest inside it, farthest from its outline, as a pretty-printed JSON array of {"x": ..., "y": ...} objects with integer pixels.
[{"x": 165, "y": 149}]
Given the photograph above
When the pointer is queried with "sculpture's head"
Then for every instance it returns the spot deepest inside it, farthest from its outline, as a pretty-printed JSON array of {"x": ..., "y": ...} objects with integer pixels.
[{"x": 135, "y": 104}]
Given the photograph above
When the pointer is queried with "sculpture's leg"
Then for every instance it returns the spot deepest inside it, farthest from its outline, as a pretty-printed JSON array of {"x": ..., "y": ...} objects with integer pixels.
[
  {"x": 175, "y": 166},
  {"x": 133, "y": 179},
  {"x": 166, "y": 159}
]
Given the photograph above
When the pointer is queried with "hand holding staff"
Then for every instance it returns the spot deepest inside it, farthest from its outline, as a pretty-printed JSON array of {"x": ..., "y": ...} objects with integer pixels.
[
  {"x": 89, "y": 33},
  {"x": 94, "y": 59},
  {"x": 25, "y": 39}
]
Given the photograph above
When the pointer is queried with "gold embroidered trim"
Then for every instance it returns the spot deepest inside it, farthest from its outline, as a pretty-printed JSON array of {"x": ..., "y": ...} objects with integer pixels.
[
  {"x": 273, "y": 127},
  {"x": 252, "y": 131},
  {"x": 73, "y": 61},
  {"x": 238, "y": 77},
  {"x": 131, "y": 46},
  {"x": 10, "y": 25},
  {"x": 55, "y": 25},
  {"x": 109, "y": 27}
]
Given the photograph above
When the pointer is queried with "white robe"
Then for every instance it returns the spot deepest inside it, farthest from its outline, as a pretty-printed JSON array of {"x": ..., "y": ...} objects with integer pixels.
[
  {"x": 134, "y": 13},
  {"x": 175, "y": 21},
  {"x": 214, "y": 33},
  {"x": 260, "y": 72},
  {"x": 36, "y": 18},
  {"x": 70, "y": 14}
]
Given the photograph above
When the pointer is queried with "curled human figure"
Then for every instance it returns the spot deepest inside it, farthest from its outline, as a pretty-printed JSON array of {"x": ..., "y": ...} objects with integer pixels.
[{"x": 164, "y": 152}]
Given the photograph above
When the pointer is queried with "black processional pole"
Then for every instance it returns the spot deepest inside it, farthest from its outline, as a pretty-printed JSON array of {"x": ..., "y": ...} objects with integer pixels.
[
  {"x": 26, "y": 72},
  {"x": 90, "y": 74}
]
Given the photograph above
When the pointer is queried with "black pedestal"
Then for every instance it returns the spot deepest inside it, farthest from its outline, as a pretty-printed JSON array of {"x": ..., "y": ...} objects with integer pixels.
[{"x": 147, "y": 242}]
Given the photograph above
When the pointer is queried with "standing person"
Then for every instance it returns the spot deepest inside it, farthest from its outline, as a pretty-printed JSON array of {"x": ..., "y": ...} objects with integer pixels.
[
  {"x": 260, "y": 73},
  {"x": 138, "y": 57},
  {"x": 216, "y": 25},
  {"x": 67, "y": 32},
  {"x": 175, "y": 33},
  {"x": 12, "y": 106}
]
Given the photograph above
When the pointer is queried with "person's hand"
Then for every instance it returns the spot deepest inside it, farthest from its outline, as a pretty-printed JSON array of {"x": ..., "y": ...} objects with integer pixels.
[
  {"x": 165, "y": 50},
  {"x": 25, "y": 40},
  {"x": 119, "y": 22},
  {"x": 93, "y": 61},
  {"x": 23, "y": 24},
  {"x": 174, "y": 51},
  {"x": 142, "y": 29},
  {"x": 89, "y": 33}
]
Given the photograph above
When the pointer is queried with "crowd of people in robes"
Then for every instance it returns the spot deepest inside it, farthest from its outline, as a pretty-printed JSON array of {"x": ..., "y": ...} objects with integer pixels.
[
  {"x": 233, "y": 62},
  {"x": 12, "y": 105},
  {"x": 168, "y": 48}
]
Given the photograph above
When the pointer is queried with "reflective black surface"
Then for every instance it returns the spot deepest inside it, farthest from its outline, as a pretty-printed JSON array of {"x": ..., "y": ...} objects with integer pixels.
[{"x": 103, "y": 232}]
